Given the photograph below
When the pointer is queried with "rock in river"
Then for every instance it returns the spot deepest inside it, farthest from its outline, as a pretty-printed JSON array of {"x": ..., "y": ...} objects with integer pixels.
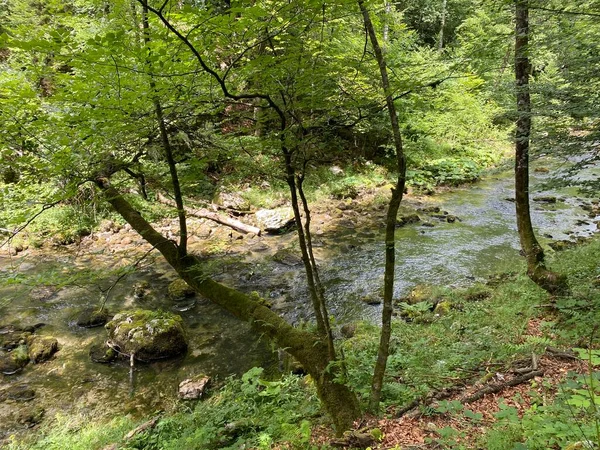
[
  {"x": 275, "y": 220},
  {"x": 102, "y": 354},
  {"x": 41, "y": 348},
  {"x": 91, "y": 318},
  {"x": 193, "y": 388},
  {"x": 12, "y": 362},
  {"x": 149, "y": 335},
  {"x": 179, "y": 290}
]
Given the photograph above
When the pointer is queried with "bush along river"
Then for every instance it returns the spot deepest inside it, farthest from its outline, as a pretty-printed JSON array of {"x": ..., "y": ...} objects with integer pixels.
[{"x": 53, "y": 361}]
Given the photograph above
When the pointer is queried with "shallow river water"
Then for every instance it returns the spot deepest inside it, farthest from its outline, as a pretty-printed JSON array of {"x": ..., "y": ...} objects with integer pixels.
[{"x": 482, "y": 241}]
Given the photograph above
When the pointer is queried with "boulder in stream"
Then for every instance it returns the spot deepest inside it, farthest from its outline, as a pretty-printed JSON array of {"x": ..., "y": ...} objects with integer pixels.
[
  {"x": 101, "y": 353},
  {"x": 92, "y": 318},
  {"x": 12, "y": 336},
  {"x": 287, "y": 257},
  {"x": 14, "y": 361},
  {"x": 545, "y": 199},
  {"x": 149, "y": 335},
  {"x": 275, "y": 221},
  {"x": 41, "y": 348},
  {"x": 193, "y": 388},
  {"x": 179, "y": 290},
  {"x": 405, "y": 220}
]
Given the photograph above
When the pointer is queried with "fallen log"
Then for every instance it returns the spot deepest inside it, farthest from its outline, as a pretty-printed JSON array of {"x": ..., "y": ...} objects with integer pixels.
[
  {"x": 203, "y": 213},
  {"x": 495, "y": 388},
  {"x": 143, "y": 427}
]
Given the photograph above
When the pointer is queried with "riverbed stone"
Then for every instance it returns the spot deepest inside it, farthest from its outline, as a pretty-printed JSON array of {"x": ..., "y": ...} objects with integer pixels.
[
  {"x": 41, "y": 348},
  {"x": 42, "y": 293},
  {"x": 92, "y": 318},
  {"x": 545, "y": 199},
  {"x": 275, "y": 221},
  {"x": 12, "y": 336},
  {"x": 179, "y": 290},
  {"x": 30, "y": 417},
  {"x": 231, "y": 201},
  {"x": 149, "y": 335},
  {"x": 141, "y": 289},
  {"x": 193, "y": 388},
  {"x": 14, "y": 361},
  {"x": 348, "y": 330},
  {"x": 101, "y": 353},
  {"x": 20, "y": 393},
  {"x": 407, "y": 219},
  {"x": 371, "y": 299},
  {"x": 287, "y": 257}
]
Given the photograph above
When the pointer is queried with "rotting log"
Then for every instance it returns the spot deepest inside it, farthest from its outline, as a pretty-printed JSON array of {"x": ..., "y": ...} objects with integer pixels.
[{"x": 203, "y": 213}]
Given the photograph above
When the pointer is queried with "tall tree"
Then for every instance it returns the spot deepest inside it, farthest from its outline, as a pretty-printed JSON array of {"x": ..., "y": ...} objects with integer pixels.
[
  {"x": 552, "y": 282},
  {"x": 392, "y": 213}
]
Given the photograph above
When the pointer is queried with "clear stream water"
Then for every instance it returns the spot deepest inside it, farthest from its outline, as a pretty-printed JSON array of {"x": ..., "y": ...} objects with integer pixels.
[{"x": 482, "y": 242}]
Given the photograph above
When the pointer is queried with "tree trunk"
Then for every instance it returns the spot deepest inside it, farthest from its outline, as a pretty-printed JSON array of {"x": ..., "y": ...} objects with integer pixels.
[
  {"x": 308, "y": 348},
  {"x": 390, "y": 228},
  {"x": 536, "y": 268},
  {"x": 164, "y": 136},
  {"x": 442, "y": 25}
]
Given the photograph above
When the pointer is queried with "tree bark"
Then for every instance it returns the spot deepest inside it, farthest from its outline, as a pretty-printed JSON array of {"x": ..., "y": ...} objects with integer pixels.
[
  {"x": 164, "y": 136},
  {"x": 536, "y": 268},
  {"x": 392, "y": 213},
  {"x": 442, "y": 25}
]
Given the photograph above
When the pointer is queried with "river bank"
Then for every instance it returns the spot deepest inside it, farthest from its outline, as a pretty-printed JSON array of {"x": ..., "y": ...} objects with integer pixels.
[{"x": 461, "y": 236}]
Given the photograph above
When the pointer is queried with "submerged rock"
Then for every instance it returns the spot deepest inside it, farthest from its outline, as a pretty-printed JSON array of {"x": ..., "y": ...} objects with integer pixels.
[
  {"x": 545, "y": 199},
  {"x": 193, "y": 388},
  {"x": 91, "y": 318},
  {"x": 179, "y": 290},
  {"x": 140, "y": 289},
  {"x": 41, "y": 348},
  {"x": 407, "y": 219},
  {"x": 19, "y": 393},
  {"x": 11, "y": 336},
  {"x": 287, "y": 257},
  {"x": 14, "y": 361},
  {"x": 100, "y": 353},
  {"x": 149, "y": 335}
]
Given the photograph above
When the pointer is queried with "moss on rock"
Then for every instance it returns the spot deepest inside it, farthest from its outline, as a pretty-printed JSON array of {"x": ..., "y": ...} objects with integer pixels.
[
  {"x": 179, "y": 290},
  {"x": 91, "y": 318},
  {"x": 149, "y": 335},
  {"x": 41, "y": 348}
]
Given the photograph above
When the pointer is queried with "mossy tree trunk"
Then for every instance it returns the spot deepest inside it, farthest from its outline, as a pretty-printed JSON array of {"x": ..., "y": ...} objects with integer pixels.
[
  {"x": 536, "y": 267},
  {"x": 310, "y": 349},
  {"x": 392, "y": 213}
]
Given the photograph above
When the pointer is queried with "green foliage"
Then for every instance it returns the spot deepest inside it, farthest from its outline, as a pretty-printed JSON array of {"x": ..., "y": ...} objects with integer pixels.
[{"x": 250, "y": 412}]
